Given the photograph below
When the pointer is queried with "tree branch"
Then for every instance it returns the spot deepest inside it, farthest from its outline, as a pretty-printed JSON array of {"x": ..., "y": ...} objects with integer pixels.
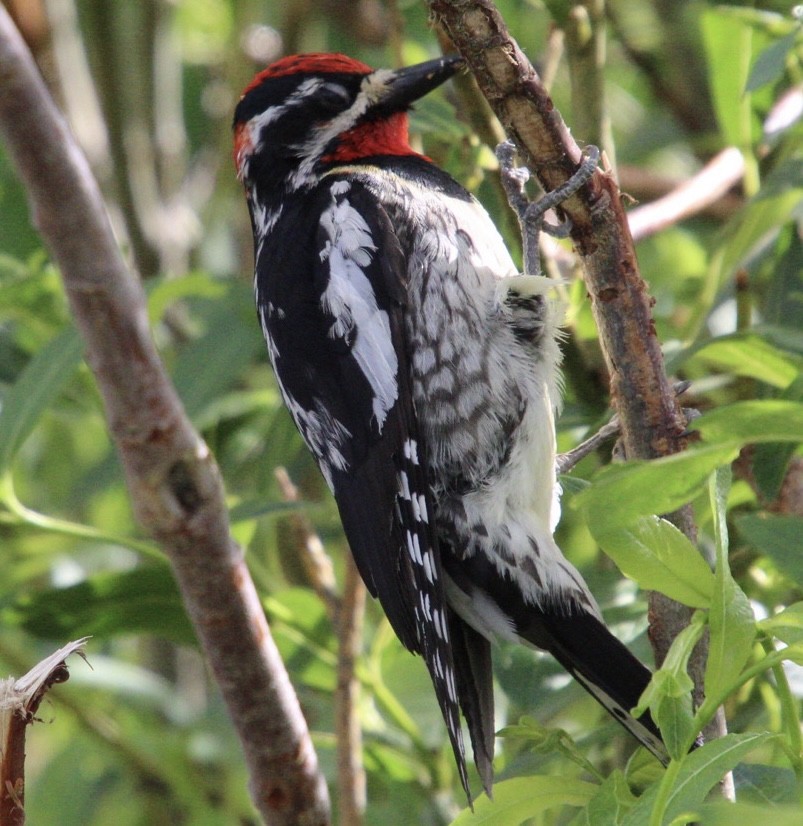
[
  {"x": 651, "y": 420},
  {"x": 173, "y": 481}
]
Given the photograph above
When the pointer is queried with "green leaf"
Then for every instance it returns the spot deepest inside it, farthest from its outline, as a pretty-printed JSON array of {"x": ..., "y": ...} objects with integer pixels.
[
  {"x": 786, "y": 625},
  {"x": 759, "y": 220},
  {"x": 671, "y": 678},
  {"x": 794, "y": 653},
  {"x": 108, "y": 604},
  {"x": 729, "y": 45},
  {"x": 771, "y": 459},
  {"x": 203, "y": 369},
  {"x": 777, "y": 537},
  {"x": 37, "y": 386},
  {"x": 748, "y": 814},
  {"x": 771, "y": 63},
  {"x": 749, "y": 355},
  {"x": 621, "y": 493},
  {"x": 700, "y": 772},
  {"x": 166, "y": 291},
  {"x": 303, "y": 634},
  {"x": 609, "y": 804},
  {"x": 522, "y": 798},
  {"x": 675, "y": 717},
  {"x": 769, "y": 463},
  {"x": 245, "y": 511},
  {"x": 730, "y": 619},
  {"x": 771, "y": 420},
  {"x": 655, "y": 554},
  {"x": 669, "y": 694},
  {"x": 768, "y": 785}
]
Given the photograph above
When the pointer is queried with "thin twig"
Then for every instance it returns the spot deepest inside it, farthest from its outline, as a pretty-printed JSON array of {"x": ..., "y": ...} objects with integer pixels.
[
  {"x": 710, "y": 184},
  {"x": 346, "y": 614},
  {"x": 585, "y": 52},
  {"x": 315, "y": 561},
  {"x": 350, "y": 771},
  {"x": 173, "y": 481}
]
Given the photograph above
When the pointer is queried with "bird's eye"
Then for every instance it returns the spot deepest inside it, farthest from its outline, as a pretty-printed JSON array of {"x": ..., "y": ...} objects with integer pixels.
[{"x": 333, "y": 96}]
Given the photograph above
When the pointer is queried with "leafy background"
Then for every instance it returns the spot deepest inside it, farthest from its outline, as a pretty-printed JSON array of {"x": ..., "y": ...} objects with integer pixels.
[{"x": 142, "y": 737}]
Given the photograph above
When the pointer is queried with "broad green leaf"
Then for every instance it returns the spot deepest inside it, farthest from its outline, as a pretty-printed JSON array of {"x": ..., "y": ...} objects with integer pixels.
[
  {"x": 622, "y": 492},
  {"x": 748, "y": 814},
  {"x": 166, "y": 291},
  {"x": 700, "y": 772},
  {"x": 108, "y": 604},
  {"x": 778, "y": 537},
  {"x": 672, "y": 678},
  {"x": 767, "y": 785},
  {"x": 729, "y": 44},
  {"x": 37, "y": 386},
  {"x": 749, "y": 355},
  {"x": 389, "y": 762},
  {"x": 771, "y": 420},
  {"x": 655, "y": 554},
  {"x": 522, "y": 798},
  {"x": 794, "y": 653},
  {"x": 675, "y": 717},
  {"x": 609, "y": 804},
  {"x": 786, "y": 625},
  {"x": 303, "y": 634},
  {"x": 234, "y": 405},
  {"x": 770, "y": 462},
  {"x": 784, "y": 179},
  {"x": 758, "y": 221},
  {"x": 771, "y": 63},
  {"x": 730, "y": 619},
  {"x": 208, "y": 365},
  {"x": 784, "y": 298},
  {"x": 771, "y": 459},
  {"x": 669, "y": 694}
]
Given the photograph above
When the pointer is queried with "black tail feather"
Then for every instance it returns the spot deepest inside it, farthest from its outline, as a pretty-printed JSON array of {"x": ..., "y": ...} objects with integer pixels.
[
  {"x": 472, "y": 662},
  {"x": 601, "y": 664}
]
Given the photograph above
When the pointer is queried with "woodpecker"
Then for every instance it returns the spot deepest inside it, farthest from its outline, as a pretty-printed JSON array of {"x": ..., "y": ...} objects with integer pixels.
[{"x": 422, "y": 371}]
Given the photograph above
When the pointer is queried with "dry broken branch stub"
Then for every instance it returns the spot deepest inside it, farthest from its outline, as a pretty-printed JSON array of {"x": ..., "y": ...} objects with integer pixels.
[{"x": 19, "y": 702}]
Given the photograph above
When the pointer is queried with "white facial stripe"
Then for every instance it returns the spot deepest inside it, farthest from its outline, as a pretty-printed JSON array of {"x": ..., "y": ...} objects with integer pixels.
[
  {"x": 371, "y": 90},
  {"x": 374, "y": 85},
  {"x": 273, "y": 113}
]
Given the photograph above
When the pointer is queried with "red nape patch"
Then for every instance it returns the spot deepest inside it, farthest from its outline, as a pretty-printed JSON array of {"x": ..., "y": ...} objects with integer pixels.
[
  {"x": 313, "y": 63},
  {"x": 242, "y": 147},
  {"x": 377, "y": 137}
]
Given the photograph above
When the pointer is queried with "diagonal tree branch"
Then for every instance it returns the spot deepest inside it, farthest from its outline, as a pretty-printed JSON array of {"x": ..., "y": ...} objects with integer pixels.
[
  {"x": 652, "y": 423},
  {"x": 173, "y": 481},
  {"x": 651, "y": 419}
]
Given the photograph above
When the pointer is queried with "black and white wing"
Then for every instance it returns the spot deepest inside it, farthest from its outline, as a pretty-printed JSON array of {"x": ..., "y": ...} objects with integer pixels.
[{"x": 336, "y": 337}]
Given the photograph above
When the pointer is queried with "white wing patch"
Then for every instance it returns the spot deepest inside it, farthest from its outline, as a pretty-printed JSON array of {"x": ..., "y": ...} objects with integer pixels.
[
  {"x": 351, "y": 299},
  {"x": 324, "y": 435}
]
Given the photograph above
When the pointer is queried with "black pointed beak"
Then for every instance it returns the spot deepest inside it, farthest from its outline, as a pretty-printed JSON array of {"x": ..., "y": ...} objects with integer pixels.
[{"x": 404, "y": 86}]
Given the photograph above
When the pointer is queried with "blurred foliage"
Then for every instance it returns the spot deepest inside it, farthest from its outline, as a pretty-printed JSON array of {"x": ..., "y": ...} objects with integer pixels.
[{"x": 149, "y": 87}]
